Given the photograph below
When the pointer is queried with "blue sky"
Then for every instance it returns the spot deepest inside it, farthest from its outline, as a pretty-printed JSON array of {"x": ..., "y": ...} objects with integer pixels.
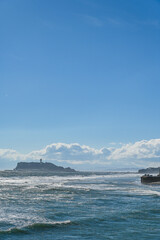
[{"x": 84, "y": 71}]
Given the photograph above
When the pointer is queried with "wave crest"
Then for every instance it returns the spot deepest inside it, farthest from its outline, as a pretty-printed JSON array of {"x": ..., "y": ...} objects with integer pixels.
[{"x": 35, "y": 226}]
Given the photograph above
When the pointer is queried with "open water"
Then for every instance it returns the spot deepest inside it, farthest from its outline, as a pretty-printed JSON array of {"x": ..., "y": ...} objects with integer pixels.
[{"x": 78, "y": 206}]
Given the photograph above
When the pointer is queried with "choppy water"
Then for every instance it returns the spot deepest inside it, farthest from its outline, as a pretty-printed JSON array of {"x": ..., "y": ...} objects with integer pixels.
[{"x": 78, "y": 206}]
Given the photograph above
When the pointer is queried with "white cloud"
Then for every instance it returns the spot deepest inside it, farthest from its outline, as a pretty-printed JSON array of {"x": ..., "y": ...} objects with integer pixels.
[
  {"x": 139, "y": 150},
  {"x": 139, "y": 154},
  {"x": 11, "y": 154},
  {"x": 69, "y": 152}
]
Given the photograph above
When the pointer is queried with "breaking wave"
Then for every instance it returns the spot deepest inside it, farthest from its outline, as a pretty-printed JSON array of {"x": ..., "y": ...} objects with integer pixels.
[{"x": 34, "y": 227}]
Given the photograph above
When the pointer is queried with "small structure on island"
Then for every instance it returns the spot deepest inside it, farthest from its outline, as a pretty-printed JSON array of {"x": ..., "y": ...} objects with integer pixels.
[{"x": 41, "y": 160}]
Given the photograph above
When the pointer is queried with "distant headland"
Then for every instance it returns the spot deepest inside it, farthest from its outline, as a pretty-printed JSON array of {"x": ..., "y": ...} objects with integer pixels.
[
  {"x": 42, "y": 166},
  {"x": 150, "y": 170}
]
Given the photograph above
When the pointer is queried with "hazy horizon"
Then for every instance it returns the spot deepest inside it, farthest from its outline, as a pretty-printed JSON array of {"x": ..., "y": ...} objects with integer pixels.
[{"x": 81, "y": 157}]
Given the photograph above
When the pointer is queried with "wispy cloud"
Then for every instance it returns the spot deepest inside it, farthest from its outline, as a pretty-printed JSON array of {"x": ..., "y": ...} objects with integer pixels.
[
  {"x": 152, "y": 23},
  {"x": 89, "y": 3},
  {"x": 139, "y": 154},
  {"x": 48, "y": 24},
  {"x": 15, "y": 57},
  {"x": 116, "y": 22},
  {"x": 94, "y": 21},
  {"x": 132, "y": 23},
  {"x": 104, "y": 22}
]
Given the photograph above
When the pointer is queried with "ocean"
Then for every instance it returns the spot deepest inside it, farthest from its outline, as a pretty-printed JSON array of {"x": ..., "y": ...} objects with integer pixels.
[{"x": 47, "y": 206}]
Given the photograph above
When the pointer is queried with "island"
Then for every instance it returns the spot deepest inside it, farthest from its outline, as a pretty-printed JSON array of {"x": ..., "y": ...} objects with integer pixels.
[{"x": 41, "y": 166}]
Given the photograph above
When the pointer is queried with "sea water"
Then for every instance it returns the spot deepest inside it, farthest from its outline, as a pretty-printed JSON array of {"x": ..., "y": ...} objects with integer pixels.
[{"x": 47, "y": 206}]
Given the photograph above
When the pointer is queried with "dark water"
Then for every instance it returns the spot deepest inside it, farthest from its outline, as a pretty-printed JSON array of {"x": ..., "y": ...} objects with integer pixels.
[{"x": 78, "y": 206}]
